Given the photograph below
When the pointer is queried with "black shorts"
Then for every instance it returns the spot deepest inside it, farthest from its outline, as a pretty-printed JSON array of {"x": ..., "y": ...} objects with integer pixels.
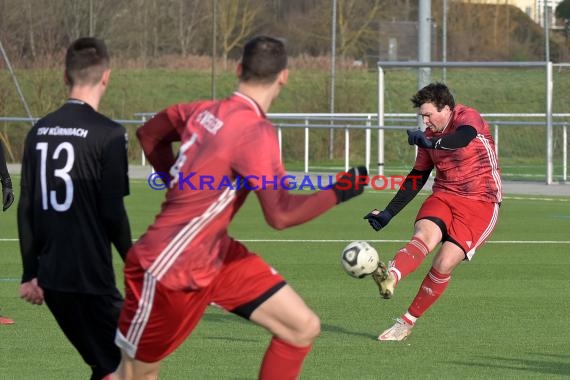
[{"x": 89, "y": 322}]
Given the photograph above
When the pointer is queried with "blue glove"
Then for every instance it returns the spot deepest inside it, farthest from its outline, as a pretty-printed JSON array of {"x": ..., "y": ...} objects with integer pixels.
[
  {"x": 378, "y": 219},
  {"x": 417, "y": 137}
]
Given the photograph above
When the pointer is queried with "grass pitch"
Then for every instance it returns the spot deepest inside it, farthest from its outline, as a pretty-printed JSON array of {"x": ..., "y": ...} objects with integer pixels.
[{"x": 503, "y": 316}]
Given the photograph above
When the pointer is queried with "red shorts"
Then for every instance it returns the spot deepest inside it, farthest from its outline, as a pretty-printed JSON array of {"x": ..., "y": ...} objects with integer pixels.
[
  {"x": 469, "y": 222},
  {"x": 155, "y": 319}
]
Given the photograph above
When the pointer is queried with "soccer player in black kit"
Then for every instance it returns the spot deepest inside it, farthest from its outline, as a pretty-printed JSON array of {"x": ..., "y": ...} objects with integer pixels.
[{"x": 74, "y": 178}]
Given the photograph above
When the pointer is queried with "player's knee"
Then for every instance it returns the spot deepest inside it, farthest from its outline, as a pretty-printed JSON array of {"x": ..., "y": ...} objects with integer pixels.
[
  {"x": 448, "y": 259},
  {"x": 314, "y": 328},
  {"x": 309, "y": 331},
  {"x": 131, "y": 369},
  {"x": 444, "y": 266}
]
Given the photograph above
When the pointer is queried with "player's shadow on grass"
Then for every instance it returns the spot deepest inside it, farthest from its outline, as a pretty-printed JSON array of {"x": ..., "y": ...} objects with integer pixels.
[
  {"x": 553, "y": 364},
  {"x": 222, "y": 317},
  {"x": 216, "y": 316},
  {"x": 230, "y": 339},
  {"x": 325, "y": 327}
]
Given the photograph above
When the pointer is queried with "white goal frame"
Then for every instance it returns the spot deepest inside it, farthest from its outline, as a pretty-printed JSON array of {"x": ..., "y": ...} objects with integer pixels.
[{"x": 547, "y": 108}]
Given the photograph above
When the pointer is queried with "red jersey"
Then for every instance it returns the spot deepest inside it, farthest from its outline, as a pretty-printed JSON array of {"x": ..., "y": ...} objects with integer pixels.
[
  {"x": 472, "y": 171},
  {"x": 221, "y": 143}
]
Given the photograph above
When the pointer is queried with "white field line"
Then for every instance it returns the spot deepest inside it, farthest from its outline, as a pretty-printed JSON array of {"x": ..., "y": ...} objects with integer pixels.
[
  {"x": 537, "y": 199},
  {"x": 320, "y": 241}
]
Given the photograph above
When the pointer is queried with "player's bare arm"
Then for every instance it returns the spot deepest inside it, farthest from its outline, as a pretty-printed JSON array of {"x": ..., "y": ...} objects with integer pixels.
[
  {"x": 29, "y": 288},
  {"x": 156, "y": 137},
  {"x": 283, "y": 209}
]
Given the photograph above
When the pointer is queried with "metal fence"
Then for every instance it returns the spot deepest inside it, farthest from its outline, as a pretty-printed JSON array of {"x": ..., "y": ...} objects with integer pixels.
[{"x": 361, "y": 149}]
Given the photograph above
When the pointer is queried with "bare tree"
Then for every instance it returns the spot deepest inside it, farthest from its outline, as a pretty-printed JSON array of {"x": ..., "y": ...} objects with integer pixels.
[
  {"x": 75, "y": 19},
  {"x": 30, "y": 22},
  {"x": 236, "y": 22},
  {"x": 354, "y": 19},
  {"x": 142, "y": 20},
  {"x": 108, "y": 11},
  {"x": 32, "y": 30},
  {"x": 189, "y": 15}
]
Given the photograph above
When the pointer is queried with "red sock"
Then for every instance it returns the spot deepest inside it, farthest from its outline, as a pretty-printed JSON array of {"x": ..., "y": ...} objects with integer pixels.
[
  {"x": 282, "y": 361},
  {"x": 409, "y": 258},
  {"x": 433, "y": 286}
]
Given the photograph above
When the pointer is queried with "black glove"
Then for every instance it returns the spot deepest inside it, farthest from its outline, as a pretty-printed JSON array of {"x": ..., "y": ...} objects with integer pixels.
[
  {"x": 378, "y": 219},
  {"x": 7, "y": 193},
  {"x": 417, "y": 137},
  {"x": 350, "y": 184}
]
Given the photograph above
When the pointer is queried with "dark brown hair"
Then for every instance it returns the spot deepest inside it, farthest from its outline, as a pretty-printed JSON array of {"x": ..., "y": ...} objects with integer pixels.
[
  {"x": 85, "y": 61},
  {"x": 263, "y": 59},
  {"x": 436, "y": 93}
]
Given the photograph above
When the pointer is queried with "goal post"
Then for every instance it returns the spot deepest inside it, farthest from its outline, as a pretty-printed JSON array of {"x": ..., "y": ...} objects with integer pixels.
[{"x": 548, "y": 112}]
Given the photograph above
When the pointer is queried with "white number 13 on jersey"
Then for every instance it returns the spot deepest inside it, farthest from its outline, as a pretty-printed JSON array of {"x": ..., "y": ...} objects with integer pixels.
[{"x": 62, "y": 173}]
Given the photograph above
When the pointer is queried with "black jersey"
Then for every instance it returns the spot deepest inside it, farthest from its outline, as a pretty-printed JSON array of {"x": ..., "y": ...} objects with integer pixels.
[{"x": 74, "y": 159}]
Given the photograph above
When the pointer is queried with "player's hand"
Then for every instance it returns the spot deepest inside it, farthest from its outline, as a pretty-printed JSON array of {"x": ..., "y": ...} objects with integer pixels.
[
  {"x": 417, "y": 137},
  {"x": 378, "y": 219},
  {"x": 31, "y": 292},
  {"x": 350, "y": 184},
  {"x": 7, "y": 193}
]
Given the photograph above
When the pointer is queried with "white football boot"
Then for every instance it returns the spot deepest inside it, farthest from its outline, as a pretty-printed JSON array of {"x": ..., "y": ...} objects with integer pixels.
[{"x": 398, "y": 332}]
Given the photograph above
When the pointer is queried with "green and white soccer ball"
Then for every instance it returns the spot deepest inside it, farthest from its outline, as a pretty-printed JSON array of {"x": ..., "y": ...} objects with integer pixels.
[{"x": 359, "y": 259}]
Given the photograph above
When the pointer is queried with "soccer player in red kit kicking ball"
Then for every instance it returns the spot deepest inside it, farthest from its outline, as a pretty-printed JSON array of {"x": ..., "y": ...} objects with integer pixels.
[
  {"x": 462, "y": 211},
  {"x": 186, "y": 260}
]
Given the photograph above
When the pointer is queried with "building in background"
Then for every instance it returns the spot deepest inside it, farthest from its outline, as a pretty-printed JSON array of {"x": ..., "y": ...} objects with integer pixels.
[
  {"x": 551, "y": 8},
  {"x": 532, "y": 8}
]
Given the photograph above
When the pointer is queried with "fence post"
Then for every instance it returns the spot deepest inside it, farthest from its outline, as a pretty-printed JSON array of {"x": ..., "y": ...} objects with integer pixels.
[
  {"x": 549, "y": 138},
  {"x": 564, "y": 152},
  {"x": 380, "y": 121},
  {"x": 306, "y": 146},
  {"x": 143, "y": 158},
  {"x": 346, "y": 148},
  {"x": 280, "y": 139},
  {"x": 367, "y": 148}
]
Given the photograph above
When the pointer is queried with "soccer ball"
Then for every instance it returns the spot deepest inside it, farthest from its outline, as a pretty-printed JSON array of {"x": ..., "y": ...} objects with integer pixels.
[{"x": 359, "y": 259}]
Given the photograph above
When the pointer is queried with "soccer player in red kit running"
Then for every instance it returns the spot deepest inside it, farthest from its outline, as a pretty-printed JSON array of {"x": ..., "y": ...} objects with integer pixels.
[
  {"x": 186, "y": 260},
  {"x": 462, "y": 211}
]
